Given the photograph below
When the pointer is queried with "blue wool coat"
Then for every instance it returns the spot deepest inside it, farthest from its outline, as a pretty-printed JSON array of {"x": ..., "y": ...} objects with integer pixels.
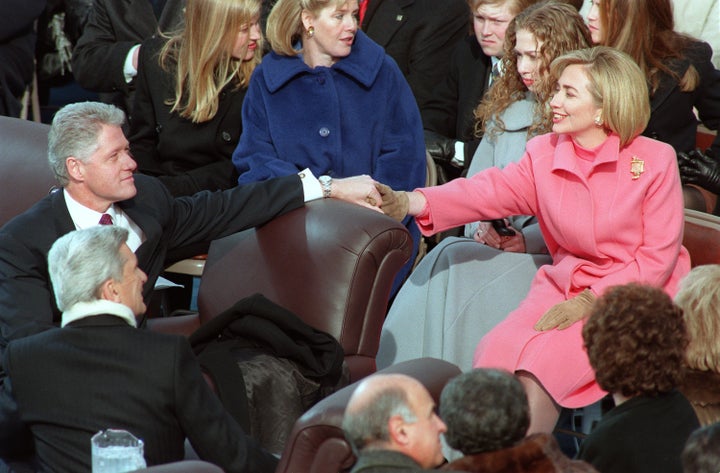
[{"x": 356, "y": 117}]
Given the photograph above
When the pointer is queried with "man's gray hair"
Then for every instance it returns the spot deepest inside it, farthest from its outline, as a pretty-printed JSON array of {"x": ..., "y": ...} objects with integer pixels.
[
  {"x": 74, "y": 132},
  {"x": 369, "y": 423},
  {"x": 81, "y": 261}
]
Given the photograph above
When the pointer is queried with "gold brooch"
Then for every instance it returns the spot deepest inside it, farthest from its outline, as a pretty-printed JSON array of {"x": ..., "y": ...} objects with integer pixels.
[{"x": 637, "y": 167}]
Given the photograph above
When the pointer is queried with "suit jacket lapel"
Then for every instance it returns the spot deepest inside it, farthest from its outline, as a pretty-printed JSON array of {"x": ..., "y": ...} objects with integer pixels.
[
  {"x": 61, "y": 216},
  {"x": 392, "y": 16}
]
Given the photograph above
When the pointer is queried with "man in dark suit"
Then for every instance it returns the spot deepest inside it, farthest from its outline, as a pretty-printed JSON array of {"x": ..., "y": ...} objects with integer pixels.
[
  {"x": 419, "y": 35},
  {"x": 99, "y": 371},
  {"x": 105, "y": 58},
  {"x": 391, "y": 423},
  {"x": 448, "y": 117},
  {"x": 17, "y": 51},
  {"x": 89, "y": 156}
]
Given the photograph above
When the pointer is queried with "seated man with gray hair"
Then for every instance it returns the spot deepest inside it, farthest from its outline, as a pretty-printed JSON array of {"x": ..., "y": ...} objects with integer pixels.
[
  {"x": 99, "y": 371},
  {"x": 391, "y": 423},
  {"x": 487, "y": 416}
]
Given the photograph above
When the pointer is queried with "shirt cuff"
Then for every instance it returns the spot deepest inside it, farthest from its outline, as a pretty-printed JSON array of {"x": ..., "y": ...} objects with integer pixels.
[
  {"x": 128, "y": 70},
  {"x": 312, "y": 189}
]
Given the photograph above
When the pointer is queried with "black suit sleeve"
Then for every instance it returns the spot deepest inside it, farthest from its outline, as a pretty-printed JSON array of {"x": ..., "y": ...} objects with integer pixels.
[
  {"x": 99, "y": 56},
  {"x": 207, "y": 215},
  {"x": 708, "y": 103},
  {"x": 213, "y": 433},
  {"x": 428, "y": 61}
]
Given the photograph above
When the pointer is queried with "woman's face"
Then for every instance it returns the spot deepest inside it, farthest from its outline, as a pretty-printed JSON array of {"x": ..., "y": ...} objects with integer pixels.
[
  {"x": 593, "y": 21},
  {"x": 334, "y": 33},
  {"x": 246, "y": 40},
  {"x": 490, "y": 23},
  {"x": 574, "y": 109},
  {"x": 527, "y": 55}
]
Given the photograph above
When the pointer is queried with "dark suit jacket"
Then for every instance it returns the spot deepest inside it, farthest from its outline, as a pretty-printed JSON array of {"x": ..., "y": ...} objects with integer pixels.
[
  {"x": 385, "y": 461},
  {"x": 27, "y": 303},
  {"x": 672, "y": 119},
  {"x": 187, "y": 157},
  {"x": 17, "y": 51},
  {"x": 420, "y": 36},
  {"x": 100, "y": 373},
  {"x": 450, "y": 111},
  {"x": 115, "y": 26}
]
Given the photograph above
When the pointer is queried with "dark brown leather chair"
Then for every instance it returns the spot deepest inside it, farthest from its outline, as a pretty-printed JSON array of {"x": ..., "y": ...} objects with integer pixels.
[
  {"x": 188, "y": 466},
  {"x": 317, "y": 443},
  {"x": 25, "y": 175},
  {"x": 702, "y": 237},
  {"x": 330, "y": 262}
]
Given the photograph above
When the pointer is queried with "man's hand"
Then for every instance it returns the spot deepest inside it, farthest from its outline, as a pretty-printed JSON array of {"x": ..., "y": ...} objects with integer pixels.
[
  {"x": 564, "y": 314},
  {"x": 359, "y": 190},
  {"x": 701, "y": 169},
  {"x": 440, "y": 148},
  {"x": 394, "y": 203}
]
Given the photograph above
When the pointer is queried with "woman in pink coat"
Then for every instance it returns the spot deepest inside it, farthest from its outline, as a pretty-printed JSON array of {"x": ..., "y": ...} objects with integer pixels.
[{"x": 609, "y": 204}]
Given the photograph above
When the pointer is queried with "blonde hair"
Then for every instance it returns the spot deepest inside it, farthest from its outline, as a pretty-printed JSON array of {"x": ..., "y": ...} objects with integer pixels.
[
  {"x": 617, "y": 85},
  {"x": 516, "y": 6},
  {"x": 560, "y": 28},
  {"x": 201, "y": 52},
  {"x": 284, "y": 24},
  {"x": 699, "y": 298}
]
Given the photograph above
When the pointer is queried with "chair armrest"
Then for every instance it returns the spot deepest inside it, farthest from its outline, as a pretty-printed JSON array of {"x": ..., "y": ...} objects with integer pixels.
[{"x": 177, "y": 325}]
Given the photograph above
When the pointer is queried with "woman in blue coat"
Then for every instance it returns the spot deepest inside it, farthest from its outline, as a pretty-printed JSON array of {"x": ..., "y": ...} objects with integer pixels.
[{"x": 329, "y": 99}]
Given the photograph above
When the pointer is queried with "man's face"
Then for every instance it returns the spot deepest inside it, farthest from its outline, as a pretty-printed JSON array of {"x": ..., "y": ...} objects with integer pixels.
[
  {"x": 130, "y": 289},
  {"x": 424, "y": 434},
  {"x": 490, "y": 22},
  {"x": 106, "y": 176}
]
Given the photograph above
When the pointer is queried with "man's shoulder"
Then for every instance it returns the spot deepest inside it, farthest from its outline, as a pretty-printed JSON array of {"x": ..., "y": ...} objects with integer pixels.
[
  {"x": 381, "y": 461},
  {"x": 38, "y": 218}
]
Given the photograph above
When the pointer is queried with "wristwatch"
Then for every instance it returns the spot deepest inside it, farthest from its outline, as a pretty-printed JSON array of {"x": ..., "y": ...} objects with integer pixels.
[{"x": 326, "y": 184}]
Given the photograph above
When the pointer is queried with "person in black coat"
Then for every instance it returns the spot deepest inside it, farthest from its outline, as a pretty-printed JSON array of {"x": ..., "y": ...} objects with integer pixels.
[
  {"x": 99, "y": 371},
  {"x": 17, "y": 51},
  {"x": 105, "y": 57},
  {"x": 419, "y": 35},
  {"x": 186, "y": 121},
  {"x": 102, "y": 182},
  {"x": 681, "y": 76},
  {"x": 646, "y": 430}
]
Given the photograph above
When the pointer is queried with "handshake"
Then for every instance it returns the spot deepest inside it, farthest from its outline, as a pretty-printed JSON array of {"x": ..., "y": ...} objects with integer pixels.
[{"x": 394, "y": 203}]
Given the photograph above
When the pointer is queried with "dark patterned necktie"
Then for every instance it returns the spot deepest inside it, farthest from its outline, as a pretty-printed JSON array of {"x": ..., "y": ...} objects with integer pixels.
[{"x": 106, "y": 219}]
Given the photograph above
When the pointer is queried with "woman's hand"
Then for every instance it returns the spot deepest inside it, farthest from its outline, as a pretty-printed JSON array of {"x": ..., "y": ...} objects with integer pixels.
[
  {"x": 564, "y": 314},
  {"x": 487, "y": 235}
]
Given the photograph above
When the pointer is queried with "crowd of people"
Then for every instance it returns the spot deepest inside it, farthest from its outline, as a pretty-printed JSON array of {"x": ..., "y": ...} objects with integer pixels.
[{"x": 565, "y": 152}]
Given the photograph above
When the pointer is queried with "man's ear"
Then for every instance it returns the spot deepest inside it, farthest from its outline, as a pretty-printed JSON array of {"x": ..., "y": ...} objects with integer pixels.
[
  {"x": 397, "y": 429},
  {"x": 109, "y": 292},
  {"x": 74, "y": 168}
]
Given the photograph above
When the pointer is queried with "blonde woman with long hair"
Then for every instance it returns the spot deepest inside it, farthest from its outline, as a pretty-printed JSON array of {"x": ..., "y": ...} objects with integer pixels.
[{"x": 186, "y": 119}]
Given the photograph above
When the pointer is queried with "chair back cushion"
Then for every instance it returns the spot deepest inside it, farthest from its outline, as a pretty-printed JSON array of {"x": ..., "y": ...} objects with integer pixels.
[
  {"x": 702, "y": 237},
  {"x": 25, "y": 175}
]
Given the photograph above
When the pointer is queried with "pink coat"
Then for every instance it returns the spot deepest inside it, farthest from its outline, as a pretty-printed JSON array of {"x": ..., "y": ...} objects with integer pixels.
[{"x": 602, "y": 226}]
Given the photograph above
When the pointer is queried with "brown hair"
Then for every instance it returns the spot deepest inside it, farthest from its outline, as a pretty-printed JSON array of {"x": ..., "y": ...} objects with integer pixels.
[
  {"x": 560, "y": 29},
  {"x": 635, "y": 339},
  {"x": 645, "y": 30}
]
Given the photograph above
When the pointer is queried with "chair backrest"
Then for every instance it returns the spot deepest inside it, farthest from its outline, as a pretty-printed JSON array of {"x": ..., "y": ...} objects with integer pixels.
[
  {"x": 25, "y": 175},
  {"x": 330, "y": 262},
  {"x": 187, "y": 466},
  {"x": 702, "y": 237},
  {"x": 317, "y": 443}
]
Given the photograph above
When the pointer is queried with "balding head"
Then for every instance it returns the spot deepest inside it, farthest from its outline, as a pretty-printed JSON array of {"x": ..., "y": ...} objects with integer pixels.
[{"x": 394, "y": 412}]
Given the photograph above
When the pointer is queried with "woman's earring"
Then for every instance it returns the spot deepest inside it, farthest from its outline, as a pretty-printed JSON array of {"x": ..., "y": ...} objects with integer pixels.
[
  {"x": 598, "y": 121},
  {"x": 310, "y": 31}
]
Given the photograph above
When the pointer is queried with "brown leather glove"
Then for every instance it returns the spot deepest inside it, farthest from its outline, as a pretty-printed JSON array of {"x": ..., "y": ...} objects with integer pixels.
[
  {"x": 564, "y": 314},
  {"x": 394, "y": 203}
]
